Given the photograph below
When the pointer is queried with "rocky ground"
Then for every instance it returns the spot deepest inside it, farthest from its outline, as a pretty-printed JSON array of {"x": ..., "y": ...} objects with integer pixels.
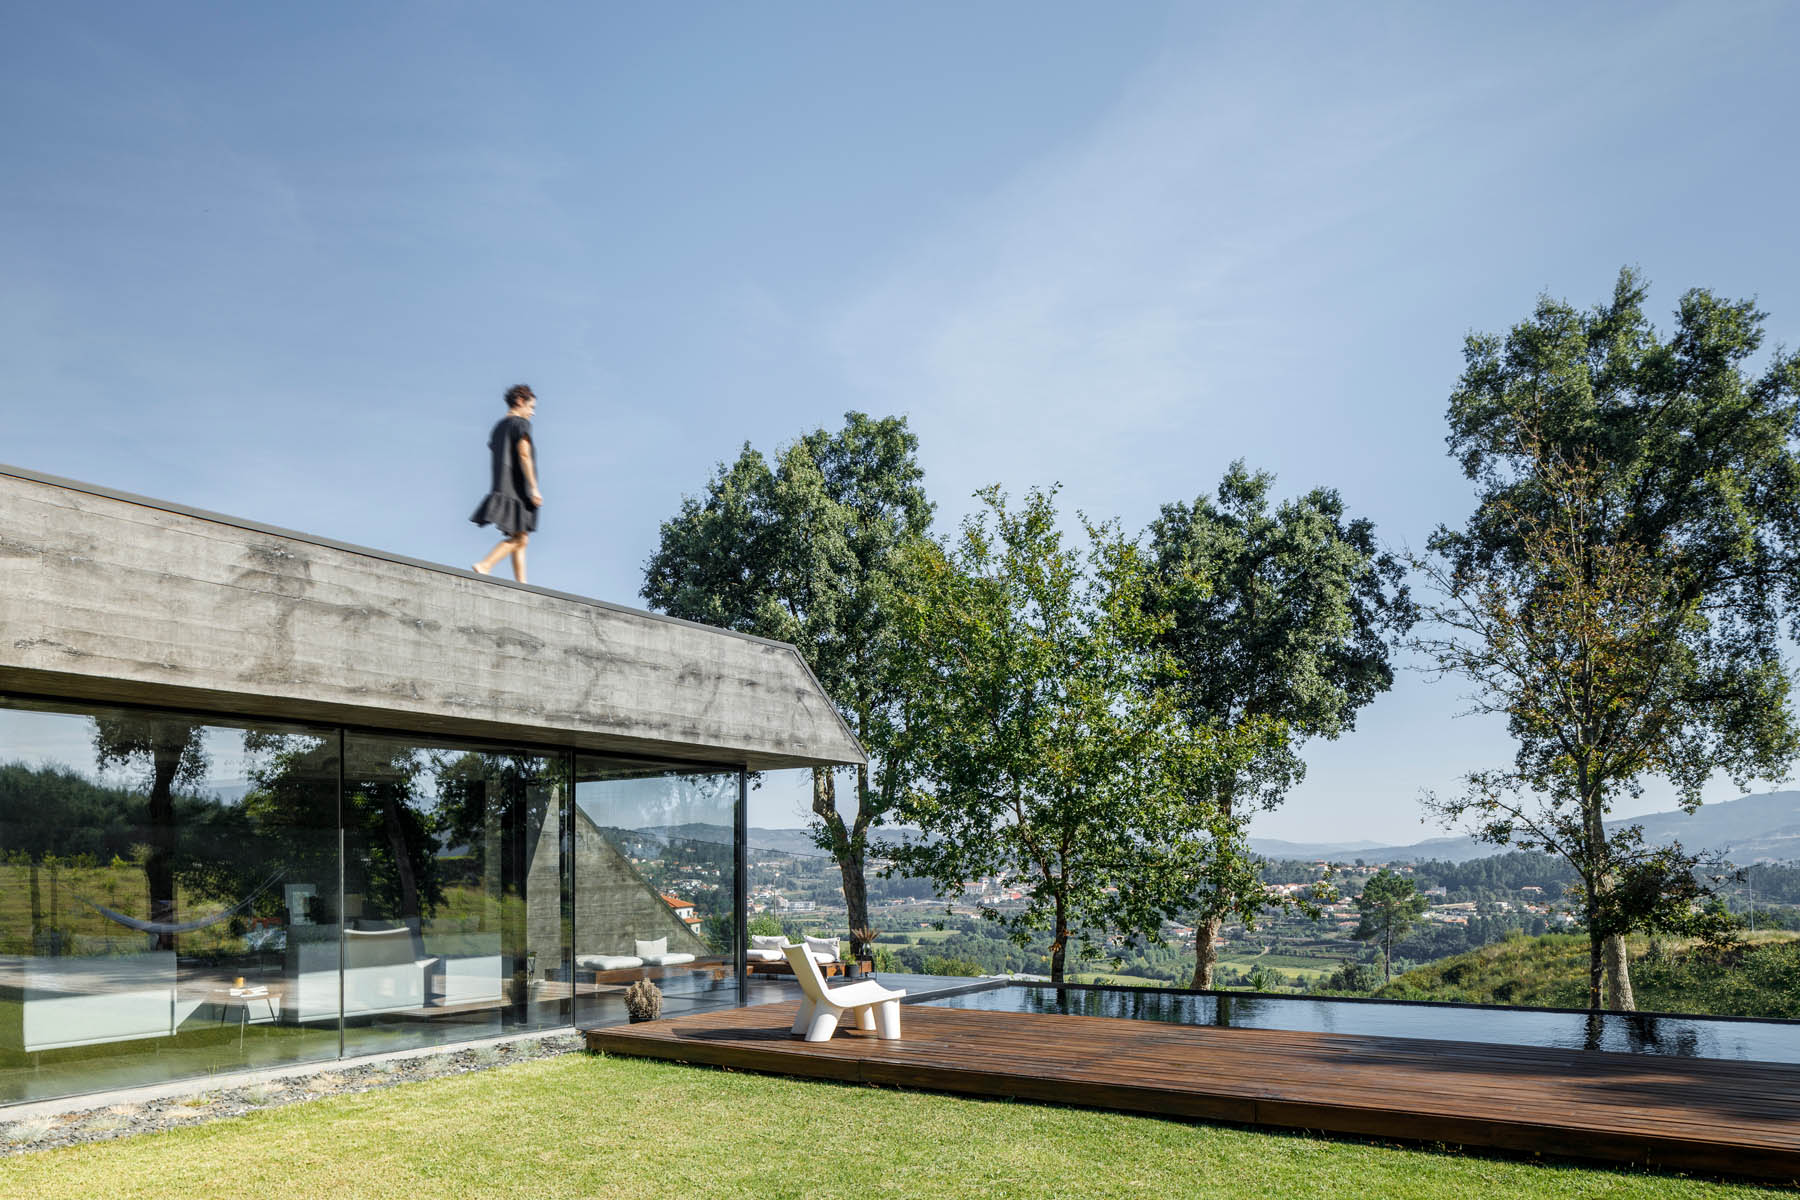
[{"x": 126, "y": 1120}]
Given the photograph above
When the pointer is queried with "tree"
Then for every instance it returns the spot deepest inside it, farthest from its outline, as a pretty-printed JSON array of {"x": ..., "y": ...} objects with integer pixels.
[
  {"x": 1618, "y": 591},
  {"x": 1279, "y": 630},
  {"x": 1390, "y": 904},
  {"x": 174, "y": 751},
  {"x": 1579, "y": 643},
  {"x": 1038, "y": 750},
  {"x": 808, "y": 552}
]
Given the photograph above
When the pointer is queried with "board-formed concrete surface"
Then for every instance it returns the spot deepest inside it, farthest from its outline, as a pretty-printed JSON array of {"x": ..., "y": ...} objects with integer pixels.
[{"x": 105, "y": 596}]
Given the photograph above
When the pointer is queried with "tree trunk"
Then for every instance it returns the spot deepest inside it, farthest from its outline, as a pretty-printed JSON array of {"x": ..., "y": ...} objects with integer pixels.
[
  {"x": 403, "y": 870},
  {"x": 1596, "y": 948},
  {"x": 847, "y": 849},
  {"x": 1206, "y": 954},
  {"x": 1387, "y": 960},
  {"x": 1059, "y": 943},
  {"x": 159, "y": 865},
  {"x": 856, "y": 889},
  {"x": 1618, "y": 976}
]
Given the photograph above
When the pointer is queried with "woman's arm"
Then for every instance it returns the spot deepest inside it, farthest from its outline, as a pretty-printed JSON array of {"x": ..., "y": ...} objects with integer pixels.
[{"x": 530, "y": 469}]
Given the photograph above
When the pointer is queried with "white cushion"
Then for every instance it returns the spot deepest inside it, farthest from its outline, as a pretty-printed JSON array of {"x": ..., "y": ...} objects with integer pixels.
[
  {"x": 668, "y": 960},
  {"x": 607, "y": 962},
  {"x": 647, "y": 949},
  {"x": 828, "y": 947},
  {"x": 768, "y": 941},
  {"x": 761, "y": 955},
  {"x": 822, "y": 956}
]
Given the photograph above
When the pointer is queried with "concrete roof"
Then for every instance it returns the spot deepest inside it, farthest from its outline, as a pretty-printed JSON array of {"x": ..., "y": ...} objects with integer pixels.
[{"x": 114, "y": 597}]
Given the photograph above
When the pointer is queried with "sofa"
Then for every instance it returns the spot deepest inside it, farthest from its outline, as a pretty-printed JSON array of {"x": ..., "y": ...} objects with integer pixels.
[
  {"x": 84, "y": 1001},
  {"x": 382, "y": 974}
]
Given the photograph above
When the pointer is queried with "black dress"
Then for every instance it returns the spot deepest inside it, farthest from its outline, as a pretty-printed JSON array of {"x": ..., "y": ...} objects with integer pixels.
[{"x": 507, "y": 505}]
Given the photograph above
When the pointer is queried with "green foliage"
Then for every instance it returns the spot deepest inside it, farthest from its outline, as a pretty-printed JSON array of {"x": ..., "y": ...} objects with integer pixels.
[
  {"x": 764, "y": 925},
  {"x": 1389, "y": 904},
  {"x": 1755, "y": 979},
  {"x": 1278, "y": 629},
  {"x": 1617, "y": 593},
  {"x": 934, "y": 965},
  {"x": 809, "y": 551},
  {"x": 1350, "y": 978},
  {"x": 1041, "y": 751}
]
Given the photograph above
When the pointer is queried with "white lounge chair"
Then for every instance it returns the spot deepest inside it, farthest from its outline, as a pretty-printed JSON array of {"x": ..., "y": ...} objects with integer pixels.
[{"x": 876, "y": 1007}]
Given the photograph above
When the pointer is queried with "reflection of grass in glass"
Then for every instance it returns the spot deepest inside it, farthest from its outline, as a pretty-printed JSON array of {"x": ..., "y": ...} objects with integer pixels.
[
  {"x": 199, "y": 1047},
  {"x": 120, "y": 887}
]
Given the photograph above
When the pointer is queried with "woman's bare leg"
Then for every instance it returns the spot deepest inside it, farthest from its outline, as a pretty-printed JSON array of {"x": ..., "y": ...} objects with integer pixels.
[
  {"x": 508, "y": 546},
  {"x": 518, "y": 556}
]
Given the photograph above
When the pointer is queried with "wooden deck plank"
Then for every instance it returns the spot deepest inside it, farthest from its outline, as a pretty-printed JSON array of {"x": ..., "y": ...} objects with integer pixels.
[{"x": 1726, "y": 1117}]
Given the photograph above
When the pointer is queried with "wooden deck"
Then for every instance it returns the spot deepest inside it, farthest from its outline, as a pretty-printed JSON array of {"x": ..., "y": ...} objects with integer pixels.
[{"x": 1707, "y": 1115}]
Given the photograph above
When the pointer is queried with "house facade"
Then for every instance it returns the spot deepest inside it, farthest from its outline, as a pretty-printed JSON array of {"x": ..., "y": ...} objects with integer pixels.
[{"x": 267, "y": 798}]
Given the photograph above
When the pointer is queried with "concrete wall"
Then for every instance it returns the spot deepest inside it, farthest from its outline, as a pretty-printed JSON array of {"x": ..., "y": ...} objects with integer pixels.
[{"x": 111, "y": 597}]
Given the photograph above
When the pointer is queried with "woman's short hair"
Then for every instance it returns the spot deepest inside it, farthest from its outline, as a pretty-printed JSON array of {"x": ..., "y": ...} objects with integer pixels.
[{"x": 518, "y": 394}]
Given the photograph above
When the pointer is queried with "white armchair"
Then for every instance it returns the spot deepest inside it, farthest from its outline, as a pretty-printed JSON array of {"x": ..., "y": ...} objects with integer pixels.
[{"x": 877, "y": 1008}]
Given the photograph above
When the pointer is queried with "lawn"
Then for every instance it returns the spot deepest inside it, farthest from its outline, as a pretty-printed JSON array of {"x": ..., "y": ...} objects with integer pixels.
[{"x": 585, "y": 1126}]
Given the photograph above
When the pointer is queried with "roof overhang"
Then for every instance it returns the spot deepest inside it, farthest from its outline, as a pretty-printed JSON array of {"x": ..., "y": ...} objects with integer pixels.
[{"x": 117, "y": 598}]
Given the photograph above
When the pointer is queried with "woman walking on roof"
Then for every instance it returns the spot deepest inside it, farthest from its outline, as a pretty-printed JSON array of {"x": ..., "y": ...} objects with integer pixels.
[{"x": 513, "y": 501}]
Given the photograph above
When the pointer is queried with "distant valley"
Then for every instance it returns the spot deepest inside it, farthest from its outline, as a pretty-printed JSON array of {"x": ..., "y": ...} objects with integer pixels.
[{"x": 1749, "y": 829}]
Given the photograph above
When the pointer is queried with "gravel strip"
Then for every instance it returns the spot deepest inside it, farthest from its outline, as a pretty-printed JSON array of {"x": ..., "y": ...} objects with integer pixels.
[{"x": 331, "y": 1079}]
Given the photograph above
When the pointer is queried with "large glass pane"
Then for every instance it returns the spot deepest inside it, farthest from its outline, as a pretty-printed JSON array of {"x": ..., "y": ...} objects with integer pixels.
[
  {"x": 156, "y": 872},
  {"x": 453, "y": 921},
  {"x": 655, "y": 881}
]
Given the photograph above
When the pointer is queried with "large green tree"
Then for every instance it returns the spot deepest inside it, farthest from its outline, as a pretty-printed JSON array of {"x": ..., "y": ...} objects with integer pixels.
[
  {"x": 1619, "y": 591},
  {"x": 1579, "y": 642},
  {"x": 1280, "y": 620},
  {"x": 807, "y": 550},
  {"x": 1041, "y": 754},
  {"x": 1390, "y": 904}
]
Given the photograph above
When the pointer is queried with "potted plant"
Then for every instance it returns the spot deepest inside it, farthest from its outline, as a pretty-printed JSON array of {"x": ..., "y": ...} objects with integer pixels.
[
  {"x": 862, "y": 945},
  {"x": 643, "y": 1001}
]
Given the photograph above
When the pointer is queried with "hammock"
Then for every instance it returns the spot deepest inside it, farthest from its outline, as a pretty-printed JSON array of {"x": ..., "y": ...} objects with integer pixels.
[{"x": 161, "y": 927}]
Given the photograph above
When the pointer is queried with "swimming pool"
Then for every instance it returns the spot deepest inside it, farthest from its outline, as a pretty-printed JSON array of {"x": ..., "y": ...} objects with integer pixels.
[{"x": 1627, "y": 1033}]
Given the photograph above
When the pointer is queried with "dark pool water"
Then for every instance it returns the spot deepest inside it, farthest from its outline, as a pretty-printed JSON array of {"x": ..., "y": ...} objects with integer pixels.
[{"x": 1628, "y": 1033}]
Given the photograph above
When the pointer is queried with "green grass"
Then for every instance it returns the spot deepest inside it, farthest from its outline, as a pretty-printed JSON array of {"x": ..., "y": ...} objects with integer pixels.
[
  {"x": 1760, "y": 978},
  {"x": 925, "y": 937},
  {"x": 584, "y": 1126},
  {"x": 1284, "y": 962}
]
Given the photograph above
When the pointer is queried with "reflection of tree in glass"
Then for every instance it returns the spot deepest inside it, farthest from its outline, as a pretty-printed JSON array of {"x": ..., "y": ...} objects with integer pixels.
[
  {"x": 477, "y": 790},
  {"x": 173, "y": 751},
  {"x": 292, "y": 806},
  {"x": 395, "y": 829}
]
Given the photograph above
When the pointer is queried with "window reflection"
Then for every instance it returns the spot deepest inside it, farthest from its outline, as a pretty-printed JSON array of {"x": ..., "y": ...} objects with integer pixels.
[
  {"x": 145, "y": 867},
  {"x": 655, "y": 884},
  {"x": 452, "y": 919},
  {"x": 183, "y": 895}
]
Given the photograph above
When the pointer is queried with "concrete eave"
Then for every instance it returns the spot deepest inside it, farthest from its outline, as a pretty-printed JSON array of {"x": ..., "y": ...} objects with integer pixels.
[{"x": 107, "y": 596}]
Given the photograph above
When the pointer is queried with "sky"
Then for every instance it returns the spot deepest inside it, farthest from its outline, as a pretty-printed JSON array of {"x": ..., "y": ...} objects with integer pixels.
[{"x": 282, "y": 261}]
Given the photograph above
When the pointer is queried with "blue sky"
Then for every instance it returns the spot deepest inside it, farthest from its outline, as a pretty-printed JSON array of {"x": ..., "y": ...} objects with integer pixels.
[{"x": 280, "y": 261}]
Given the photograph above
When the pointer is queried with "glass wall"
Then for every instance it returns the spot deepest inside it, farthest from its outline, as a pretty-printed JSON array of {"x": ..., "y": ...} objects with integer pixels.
[
  {"x": 153, "y": 871},
  {"x": 655, "y": 886},
  {"x": 185, "y": 895},
  {"x": 453, "y": 920}
]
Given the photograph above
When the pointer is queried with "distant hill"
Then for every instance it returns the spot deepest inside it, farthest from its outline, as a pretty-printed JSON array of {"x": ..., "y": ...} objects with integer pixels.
[{"x": 1746, "y": 830}]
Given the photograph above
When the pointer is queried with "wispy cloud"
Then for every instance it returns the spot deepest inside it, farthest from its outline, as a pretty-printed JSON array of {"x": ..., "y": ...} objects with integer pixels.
[{"x": 1148, "y": 283}]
